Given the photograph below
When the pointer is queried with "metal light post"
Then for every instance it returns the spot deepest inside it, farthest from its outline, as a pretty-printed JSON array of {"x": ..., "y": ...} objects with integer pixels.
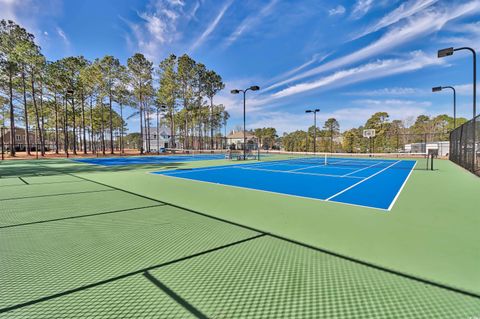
[
  {"x": 440, "y": 88},
  {"x": 252, "y": 88},
  {"x": 449, "y": 51},
  {"x": 314, "y": 128}
]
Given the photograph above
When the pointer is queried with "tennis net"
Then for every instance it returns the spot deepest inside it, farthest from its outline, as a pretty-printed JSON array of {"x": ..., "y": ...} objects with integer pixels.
[
  {"x": 419, "y": 161},
  {"x": 196, "y": 153}
]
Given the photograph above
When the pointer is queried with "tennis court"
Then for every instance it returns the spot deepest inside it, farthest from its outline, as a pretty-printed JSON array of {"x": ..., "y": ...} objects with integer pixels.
[
  {"x": 363, "y": 181},
  {"x": 91, "y": 241},
  {"x": 143, "y": 160}
]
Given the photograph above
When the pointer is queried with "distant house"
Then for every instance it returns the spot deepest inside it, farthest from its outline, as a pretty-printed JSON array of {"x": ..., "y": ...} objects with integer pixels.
[
  {"x": 159, "y": 138},
  {"x": 19, "y": 137},
  {"x": 235, "y": 140}
]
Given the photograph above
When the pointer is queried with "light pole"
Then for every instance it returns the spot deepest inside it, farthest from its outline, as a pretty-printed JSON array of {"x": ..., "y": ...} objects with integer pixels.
[
  {"x": 440, "y": 88},
  {"x": 449, "y": 51},
  {"x": 315, "y": 111},
  {"x": 252, "y": 88}
]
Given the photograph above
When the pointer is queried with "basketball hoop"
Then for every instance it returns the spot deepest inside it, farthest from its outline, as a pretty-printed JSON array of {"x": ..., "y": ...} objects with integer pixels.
[{"x": 369, "y": 133}]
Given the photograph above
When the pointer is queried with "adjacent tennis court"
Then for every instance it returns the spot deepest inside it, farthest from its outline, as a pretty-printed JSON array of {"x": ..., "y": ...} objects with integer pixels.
[
  {"x": 362, "y": 181},
  {"x": 143, "y": 160}
]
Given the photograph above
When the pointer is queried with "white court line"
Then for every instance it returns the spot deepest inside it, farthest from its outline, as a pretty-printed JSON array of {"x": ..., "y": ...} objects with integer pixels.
[
  {"x": 359, "y": 170},
  {"x": 401, "y": 188},
  {"x": 363, "y": 180},
  {"x": 271, "y": 192},
  {"x": 300, "y": 173},
  {"x": 302, "y": 168},
  {"x": 181, "y": 171}
]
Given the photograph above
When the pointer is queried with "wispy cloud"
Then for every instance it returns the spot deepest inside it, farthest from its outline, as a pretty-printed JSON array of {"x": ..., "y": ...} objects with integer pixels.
[
  {"x": 211, "y": 27},
  {"x": 30, "y": 14},
  {"x": 338, "y": 10},
  {"x": 394, "y": 91},
  {"x": 157, "y": 28},
  {"x": 62, "y": 35},
  {"x": 405, "y": 10},
  {"x": 316, "y": 58},
  {"x": 371, "y": 70},
  {"x": 420, "y": 25},
  {"x": 249, "y": 22},
  {"x": 351, "y": 116},
  {"x": 361, "y": 8}
]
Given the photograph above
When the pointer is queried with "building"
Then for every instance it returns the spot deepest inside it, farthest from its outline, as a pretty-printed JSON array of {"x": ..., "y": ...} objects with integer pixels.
[
  {"x": 159, "y": 138},
  {"x": 20, "y": 143},
  {"x": 443, "y": 147},
  {"x": 235, "y": 140}
]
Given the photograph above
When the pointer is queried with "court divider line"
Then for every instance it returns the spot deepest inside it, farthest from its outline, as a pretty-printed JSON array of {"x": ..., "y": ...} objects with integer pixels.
[
  {"x": 323, "y": 250},
  {"x": 172, "y": 294},
  {"x": 401, "y": 188},
  {"x": 270, "y": 192},
  {"x": 362, "y": 169},
  {"x": 302, "y": 168},
  {"x": 299, "y": 173},
  {"x": 363, "y": 180},
  {"x": 135, "y": 272},
  {"x": 51, "y": 195},
  {"x": 81, "y": 216},
  {"x": 24, "y": 181},
  {"x": 47, "y": 183}
]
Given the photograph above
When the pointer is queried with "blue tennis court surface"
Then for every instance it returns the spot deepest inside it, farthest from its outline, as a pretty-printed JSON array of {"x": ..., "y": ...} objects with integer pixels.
[
  {"x": 143, "y": 160},
  {"x": 373, "y": 183}
]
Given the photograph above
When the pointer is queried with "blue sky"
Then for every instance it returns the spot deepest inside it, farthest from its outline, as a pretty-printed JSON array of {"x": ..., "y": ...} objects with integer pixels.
[{"x": 348, "y": 58}]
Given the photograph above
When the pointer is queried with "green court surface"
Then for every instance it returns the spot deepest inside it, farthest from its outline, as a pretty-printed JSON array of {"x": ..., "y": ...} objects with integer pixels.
[{"x": 85, "y": 241}]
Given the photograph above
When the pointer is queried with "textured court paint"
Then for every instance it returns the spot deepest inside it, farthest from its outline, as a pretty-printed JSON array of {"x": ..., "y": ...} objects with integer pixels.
[
  {"x": 431, "y": 232},
  {"x": 379, "y": 189}
]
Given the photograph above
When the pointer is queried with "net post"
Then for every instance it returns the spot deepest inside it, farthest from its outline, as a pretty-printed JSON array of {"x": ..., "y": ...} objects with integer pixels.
[{"x": 325, "y": 161}]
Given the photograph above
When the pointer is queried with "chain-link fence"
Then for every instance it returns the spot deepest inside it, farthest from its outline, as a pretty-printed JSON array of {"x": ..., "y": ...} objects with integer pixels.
[{"x": 465, "y": 145}]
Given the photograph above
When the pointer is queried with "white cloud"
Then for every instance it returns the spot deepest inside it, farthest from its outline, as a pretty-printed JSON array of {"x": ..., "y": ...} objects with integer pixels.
[
  {"x": 316, "y": 58},
  {"x": 30, "y": 14},
  {"x": 405, "y": 10},
  {"x": 211, "y": 27},
  {"x": 417, "y": 26},
  {"x": 62, "y": 35},
  {"x": 361, "y": 8},
  {"x": 379, "y": 68},
  {"x": 159, "y": 27},
  {"x": 348, "y": 117},
  {"x": 9, "y": 9},
  {"x": 249, "y": 22},
  {"x": 338, "y": 10},
  {"x": 394, "y": 91}
]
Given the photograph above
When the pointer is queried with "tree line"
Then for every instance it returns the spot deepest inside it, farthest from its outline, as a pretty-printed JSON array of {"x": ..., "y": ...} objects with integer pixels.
[
  {"x": 390, "y": 135},
  {"x": 79, "y": 105}
]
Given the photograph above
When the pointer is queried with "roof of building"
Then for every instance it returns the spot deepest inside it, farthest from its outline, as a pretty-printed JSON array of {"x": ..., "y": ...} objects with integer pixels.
[{"x": 239, "y": 134}]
